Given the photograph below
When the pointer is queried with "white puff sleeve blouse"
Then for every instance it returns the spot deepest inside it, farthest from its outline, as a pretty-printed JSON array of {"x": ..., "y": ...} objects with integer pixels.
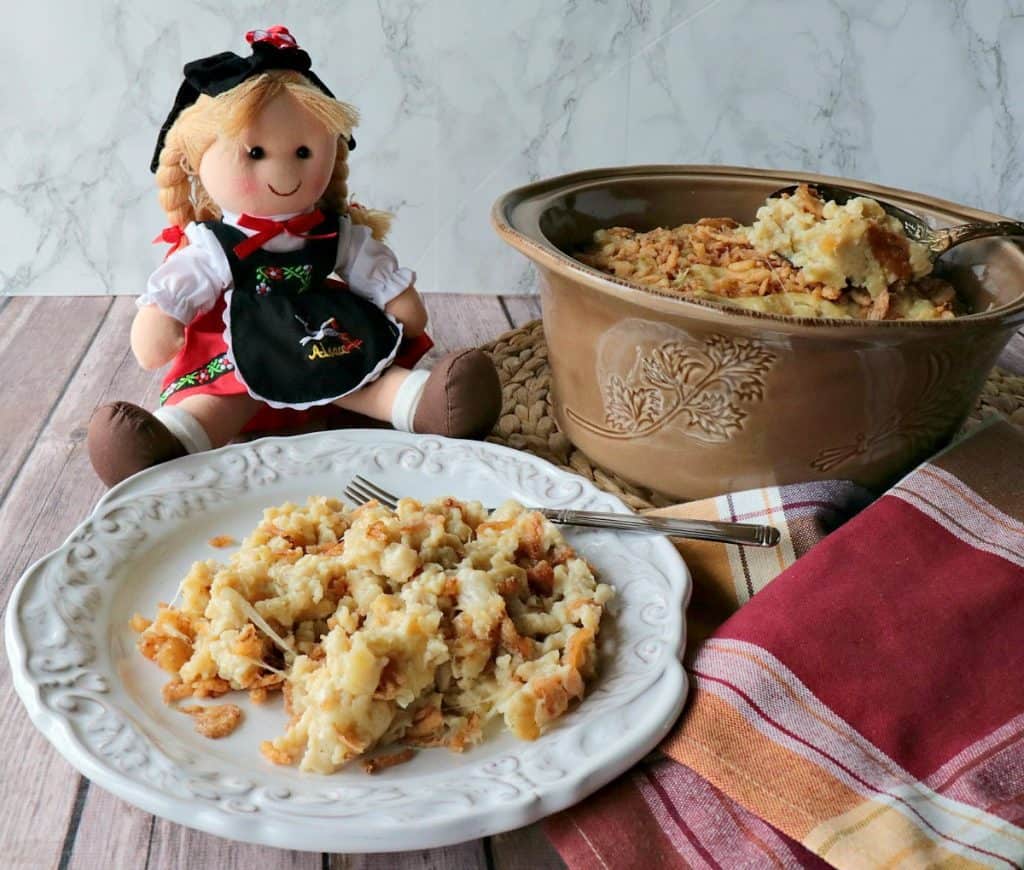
[
  {"x": 189, "y": 282},
  {"x": 371, "y": 267}
]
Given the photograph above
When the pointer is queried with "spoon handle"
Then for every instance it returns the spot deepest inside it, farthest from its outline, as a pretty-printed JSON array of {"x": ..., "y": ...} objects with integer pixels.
[{"x": 944, "y": 239}]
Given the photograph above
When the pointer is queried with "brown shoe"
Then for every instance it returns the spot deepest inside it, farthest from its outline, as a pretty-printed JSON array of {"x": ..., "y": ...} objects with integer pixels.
[
  {"x": 461, "y": 398},
  {"x": 124, "y": 438}
]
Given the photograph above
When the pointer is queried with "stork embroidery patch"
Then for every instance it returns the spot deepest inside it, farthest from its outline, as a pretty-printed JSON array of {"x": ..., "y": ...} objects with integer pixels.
[{"x": 329, "y": 340}]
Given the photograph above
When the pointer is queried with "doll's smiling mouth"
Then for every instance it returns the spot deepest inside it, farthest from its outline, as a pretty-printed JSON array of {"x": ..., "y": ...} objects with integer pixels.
[{"x": 289, "y": 193}]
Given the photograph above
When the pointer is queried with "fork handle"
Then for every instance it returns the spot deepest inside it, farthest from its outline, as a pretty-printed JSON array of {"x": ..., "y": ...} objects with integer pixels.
[{"x": 744, "y": 534}]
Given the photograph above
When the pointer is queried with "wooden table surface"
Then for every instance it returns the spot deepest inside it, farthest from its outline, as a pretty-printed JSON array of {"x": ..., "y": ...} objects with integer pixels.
[{"x": 61, "y": 357}]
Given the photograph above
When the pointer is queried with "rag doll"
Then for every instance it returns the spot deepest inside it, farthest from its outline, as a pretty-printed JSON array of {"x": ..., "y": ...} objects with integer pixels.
[{"x": 278, "y": 294}]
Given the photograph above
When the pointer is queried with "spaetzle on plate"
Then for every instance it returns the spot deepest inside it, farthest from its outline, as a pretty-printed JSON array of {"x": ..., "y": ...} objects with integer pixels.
[{"x": 408, "y": 628}]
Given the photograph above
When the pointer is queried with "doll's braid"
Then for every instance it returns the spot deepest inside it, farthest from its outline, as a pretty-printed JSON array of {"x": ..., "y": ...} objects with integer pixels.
[
  {"x": 336, "y": 197},
  {"x": 182, "y": 195},
  {"x": 174, "y": 184}
]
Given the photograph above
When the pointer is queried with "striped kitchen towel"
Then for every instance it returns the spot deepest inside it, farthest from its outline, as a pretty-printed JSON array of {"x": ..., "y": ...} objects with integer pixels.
[{"x": 863, "y": 706}]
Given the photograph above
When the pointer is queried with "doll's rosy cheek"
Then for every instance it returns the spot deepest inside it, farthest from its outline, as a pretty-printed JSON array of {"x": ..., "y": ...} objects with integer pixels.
[{"x": 246, "y": 185}]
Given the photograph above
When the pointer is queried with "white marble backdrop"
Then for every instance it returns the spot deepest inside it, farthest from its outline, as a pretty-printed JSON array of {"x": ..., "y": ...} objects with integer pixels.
[{"x": 464, "y": 99}]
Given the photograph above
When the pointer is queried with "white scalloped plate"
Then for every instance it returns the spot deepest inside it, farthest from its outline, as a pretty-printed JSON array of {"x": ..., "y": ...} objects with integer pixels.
[{"x": 98, "y": 701}]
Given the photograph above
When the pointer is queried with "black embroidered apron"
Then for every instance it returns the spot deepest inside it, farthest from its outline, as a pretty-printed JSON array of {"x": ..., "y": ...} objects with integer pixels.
[{"x": 295, "y": 341}]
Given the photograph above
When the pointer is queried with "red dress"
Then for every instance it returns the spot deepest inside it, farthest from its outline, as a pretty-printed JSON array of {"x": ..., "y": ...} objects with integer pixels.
[{"x": 202, "y": 367}]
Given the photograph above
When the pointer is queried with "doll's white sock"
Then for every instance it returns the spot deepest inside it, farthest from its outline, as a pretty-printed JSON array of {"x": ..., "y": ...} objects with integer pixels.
[
  {"x": 407, "y": 400},
  {"x": 183, "y": 426}
]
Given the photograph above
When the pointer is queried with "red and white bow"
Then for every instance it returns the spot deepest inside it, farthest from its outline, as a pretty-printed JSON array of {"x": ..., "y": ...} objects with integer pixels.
[
  {"x": 173, "y": 236},
  {"x": 267, "y": 229}
]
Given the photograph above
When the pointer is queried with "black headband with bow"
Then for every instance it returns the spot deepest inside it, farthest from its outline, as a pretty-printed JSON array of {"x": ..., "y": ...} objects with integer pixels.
[{"x": 273, "y": 48}]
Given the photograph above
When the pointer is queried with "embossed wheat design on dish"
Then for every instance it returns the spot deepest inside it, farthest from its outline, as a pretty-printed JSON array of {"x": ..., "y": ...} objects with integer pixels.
[
  {"x": 919, "y": 428},
  {"x": 704, "y": 385}
]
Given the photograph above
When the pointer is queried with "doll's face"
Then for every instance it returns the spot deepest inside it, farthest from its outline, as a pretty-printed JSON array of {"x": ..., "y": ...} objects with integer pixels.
[{"x": 281, "y": 163}]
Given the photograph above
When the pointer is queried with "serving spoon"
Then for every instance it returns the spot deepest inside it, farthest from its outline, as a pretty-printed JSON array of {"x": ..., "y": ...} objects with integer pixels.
[{"x": 938, "y": 241}]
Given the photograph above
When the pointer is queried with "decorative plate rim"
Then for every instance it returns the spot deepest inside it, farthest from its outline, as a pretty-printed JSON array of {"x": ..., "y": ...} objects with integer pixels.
[{"x": 665, "y": 688}]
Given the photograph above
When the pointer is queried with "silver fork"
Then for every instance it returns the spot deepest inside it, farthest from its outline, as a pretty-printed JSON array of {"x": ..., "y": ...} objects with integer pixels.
[{"x": 361, "y": 490}]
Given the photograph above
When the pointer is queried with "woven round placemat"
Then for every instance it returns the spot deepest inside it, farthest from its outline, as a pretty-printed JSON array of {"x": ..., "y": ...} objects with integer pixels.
[{"x": 526, "y": 423}]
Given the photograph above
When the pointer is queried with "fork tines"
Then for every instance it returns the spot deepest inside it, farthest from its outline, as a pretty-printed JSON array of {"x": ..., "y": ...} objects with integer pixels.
[{"x": 361, "y": 490}]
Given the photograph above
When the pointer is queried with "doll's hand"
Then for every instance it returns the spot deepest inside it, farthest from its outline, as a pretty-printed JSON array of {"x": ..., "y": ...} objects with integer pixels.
[
  {"x": 156, "y": 337},
  {"x": 407, "y": 308}
]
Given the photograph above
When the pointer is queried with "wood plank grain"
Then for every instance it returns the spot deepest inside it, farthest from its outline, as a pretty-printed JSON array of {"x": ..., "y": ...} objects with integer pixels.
[
  {"x": 524, "y": 849},
  {"x": 42, "y": 342},
  {"x": 465, "y": 856},
  {"x": 458, "y": 321},
  {"x": 54, "y": 490},
  {"x": 110, "y": 833},
  {"x": 174, "y": 847},
  {"x": 34, "y": 810},
  {"x": 56, "y": 487},
  {"x": 521, "y": 309}
]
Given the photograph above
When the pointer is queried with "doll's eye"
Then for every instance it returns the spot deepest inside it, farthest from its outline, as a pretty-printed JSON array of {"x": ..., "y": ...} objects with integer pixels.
[
  {"x": 303, "y": 153},
  {"x": 257, "y": 153}
]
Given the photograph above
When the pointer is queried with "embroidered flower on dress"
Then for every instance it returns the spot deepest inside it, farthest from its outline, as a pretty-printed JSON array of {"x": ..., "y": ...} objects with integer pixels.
[
  {"x": 219, "y": 365},
  {"x": 303, "y": 274}
]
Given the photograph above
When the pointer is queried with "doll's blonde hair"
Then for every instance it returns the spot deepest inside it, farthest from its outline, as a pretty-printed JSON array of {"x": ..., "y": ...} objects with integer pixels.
[{"x": 182, "y": 195}]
